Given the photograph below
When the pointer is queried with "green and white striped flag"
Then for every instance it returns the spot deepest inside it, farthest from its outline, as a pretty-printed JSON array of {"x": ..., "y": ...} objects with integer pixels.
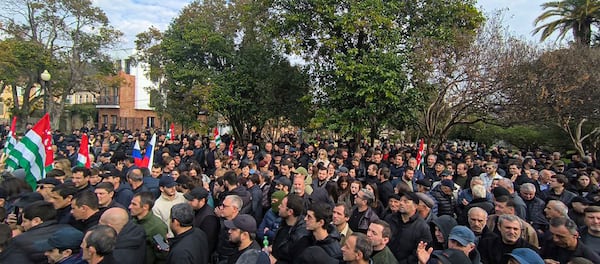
[
  {"x": 34, "y": 151},
  {"x": 11, "y": 163}
]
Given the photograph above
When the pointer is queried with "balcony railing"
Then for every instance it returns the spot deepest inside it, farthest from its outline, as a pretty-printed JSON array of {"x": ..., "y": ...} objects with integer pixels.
[{"x": 108, "y": 100}]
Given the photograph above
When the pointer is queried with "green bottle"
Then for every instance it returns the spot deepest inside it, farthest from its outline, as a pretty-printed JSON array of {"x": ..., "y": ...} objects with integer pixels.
[{"x": 265, "y": 242}]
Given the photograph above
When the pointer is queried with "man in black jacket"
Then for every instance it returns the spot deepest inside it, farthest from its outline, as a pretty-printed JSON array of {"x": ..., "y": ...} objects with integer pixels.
[
  {"x": 292, "y": 236},
  {"x": 205, "y": 217},
  {"x": 493, "y": 249},
  {"x": 408, "y": 229},
  {"x": 189, "y": 244},
  {"x": 39, "y": 223},
  {"x": 131, "y": 238}
]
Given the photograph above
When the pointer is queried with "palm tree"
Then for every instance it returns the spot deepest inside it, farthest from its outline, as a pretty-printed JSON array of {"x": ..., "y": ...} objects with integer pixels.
[{"x": 575, "y": 15}]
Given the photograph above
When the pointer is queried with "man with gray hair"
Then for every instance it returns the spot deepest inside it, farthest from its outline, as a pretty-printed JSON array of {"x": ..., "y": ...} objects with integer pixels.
[
  {"x": 535, "y": 207},
  {"x": 98, "y": 244},
  {"x": 493, "y": 249},
  {"x": 565, "y": 243},
  {"x": 189, "y": 244},
  {"x": 363, "y": 214}
]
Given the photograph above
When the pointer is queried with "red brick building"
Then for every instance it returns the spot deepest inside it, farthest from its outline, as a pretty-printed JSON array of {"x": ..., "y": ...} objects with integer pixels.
[{"x": 127, "y": 106}]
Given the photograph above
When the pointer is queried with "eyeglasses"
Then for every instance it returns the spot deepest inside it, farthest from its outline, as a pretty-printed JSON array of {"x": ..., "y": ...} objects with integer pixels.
[{"x": 224, "y": 206}]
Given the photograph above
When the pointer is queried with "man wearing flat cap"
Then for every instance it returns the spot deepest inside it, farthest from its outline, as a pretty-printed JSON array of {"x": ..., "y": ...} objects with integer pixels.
[
  {"x": 408, "y": 229},
  {"x": 63, "y": 247},
  {"x": 242, "y": 232}
]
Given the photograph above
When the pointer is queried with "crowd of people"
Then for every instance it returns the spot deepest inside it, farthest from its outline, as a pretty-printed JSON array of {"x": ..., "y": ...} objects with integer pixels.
[{"x": 301, "y": 202}]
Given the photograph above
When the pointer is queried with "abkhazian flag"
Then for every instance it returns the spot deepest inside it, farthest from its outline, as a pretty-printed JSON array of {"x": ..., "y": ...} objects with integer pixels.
[
  {"x": 34, "y": 151},
  {"x": 11, "y": 162},
  {"x": 217, "y": 136},
  {"x": 171, "y": 131},
  {"x": 83, "y": 156}
]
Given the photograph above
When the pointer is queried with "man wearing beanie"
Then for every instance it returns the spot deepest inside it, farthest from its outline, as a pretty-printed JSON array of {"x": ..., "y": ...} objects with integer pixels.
[{"x": 271, "y": 220}]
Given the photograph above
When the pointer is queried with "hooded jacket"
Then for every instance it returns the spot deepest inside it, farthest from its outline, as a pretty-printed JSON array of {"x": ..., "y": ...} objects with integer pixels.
[{"x": 444, "y": 223}]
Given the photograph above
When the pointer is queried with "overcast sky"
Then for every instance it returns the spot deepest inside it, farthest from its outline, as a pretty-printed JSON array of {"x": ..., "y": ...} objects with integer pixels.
[{"x": 135, "y": 16}]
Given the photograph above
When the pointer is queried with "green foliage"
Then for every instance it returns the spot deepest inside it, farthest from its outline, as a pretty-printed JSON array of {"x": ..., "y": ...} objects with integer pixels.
[
  {"x": 217, "y": 56},
  {"x": 86, "y": 111},
  {"x": 521, "y": 136},
  {"x": 577, "y": 16},
  {"x": 359, "y": 54}
]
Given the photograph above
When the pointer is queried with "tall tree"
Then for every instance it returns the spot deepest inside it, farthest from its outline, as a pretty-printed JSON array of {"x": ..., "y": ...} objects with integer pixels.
[
  {"x": 75, "y": 33},
  {"x": 577, "y": 16},
  {"x": 218, "y": 56},
  {"x": 358, "y": 52},
  {"x": 561, "y": 86},
  {"x": 460, "y": 77}
]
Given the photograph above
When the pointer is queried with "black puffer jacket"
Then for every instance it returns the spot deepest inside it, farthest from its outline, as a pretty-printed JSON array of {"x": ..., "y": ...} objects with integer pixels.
[
  {"x": 406, "y": 237},
  {"x": 446, "y": 203}
]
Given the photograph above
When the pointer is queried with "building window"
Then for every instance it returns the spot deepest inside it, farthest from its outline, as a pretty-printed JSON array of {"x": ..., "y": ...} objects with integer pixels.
[
  {"x": 150, "y": 121},
  {"x": 104, "y": 120}
]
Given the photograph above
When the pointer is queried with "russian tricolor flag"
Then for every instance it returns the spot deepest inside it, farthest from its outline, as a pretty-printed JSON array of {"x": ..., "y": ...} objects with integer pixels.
[{"x": 148, "y": 159}]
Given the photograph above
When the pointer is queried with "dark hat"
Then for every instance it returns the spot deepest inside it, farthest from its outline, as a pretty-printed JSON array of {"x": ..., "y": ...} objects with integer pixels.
[
  {"x": 451, "y": 256},
  {"x": 426, "y": 199},
  {"x": 292, "y": 150},
  {"x": 425, "y": 183},
  {"x": 500, "y": 191},
  {"x": 28, "y": 198},
  {"x": 448, "y": 183},
  {"x": 64, "y": 238},
  {"x": 462, "y": 234},
  {"x": 343, "y": 169},
  {"x": 439, "y": 162},
  {"x": 283, "y": 181},
  {"x": 196, "y": 193},
  {"x": 167, "y": 181},
  {"x": 52, "y": 181},
  {"x": 243, "y": 222},
  {"x": 526, "y": 256},
  {"x": 411, "y": 196},
  {"x": 105, "y": 155}
]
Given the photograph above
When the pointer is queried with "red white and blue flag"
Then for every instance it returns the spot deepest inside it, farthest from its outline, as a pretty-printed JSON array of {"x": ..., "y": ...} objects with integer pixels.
[{"x": 148, "y": 159}]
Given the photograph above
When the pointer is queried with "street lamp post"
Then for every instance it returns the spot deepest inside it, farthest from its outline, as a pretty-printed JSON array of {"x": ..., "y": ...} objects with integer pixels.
[{"x": 45, "y": 78}]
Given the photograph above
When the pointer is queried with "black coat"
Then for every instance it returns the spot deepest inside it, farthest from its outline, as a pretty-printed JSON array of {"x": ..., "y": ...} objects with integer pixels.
[
  {"x": 406, "y": 236},
  {"x": 21, "y": 248},
  {"x": 188, "y": 247},
  {"x": 131, "y": 244},
  {"x": 493, "y": 250},
  {"x": 206, "y": 220}
]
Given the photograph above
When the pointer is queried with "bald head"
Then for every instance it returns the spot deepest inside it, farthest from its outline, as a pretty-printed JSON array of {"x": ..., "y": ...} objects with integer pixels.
[{"x": 114, "y": 217}]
